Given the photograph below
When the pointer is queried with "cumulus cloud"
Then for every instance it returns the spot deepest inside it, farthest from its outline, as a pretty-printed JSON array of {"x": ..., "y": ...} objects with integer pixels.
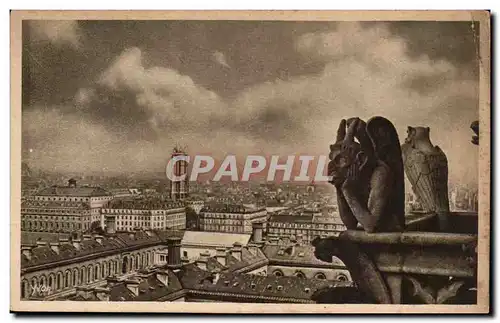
[
  {"x": 368, "y": 72},
  {"x": 57, "y": 32},
  {"x": 220, "y": 58},
  {"x": 169, "y": 98}
]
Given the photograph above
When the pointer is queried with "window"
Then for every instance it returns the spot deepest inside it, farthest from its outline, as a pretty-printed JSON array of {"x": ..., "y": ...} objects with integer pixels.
[
  {"x": 320, "y": 276},
  {"x": 67, "y": 280},
  {"x": 341, "y": 277},
  {"x": 278, "y": 273}
]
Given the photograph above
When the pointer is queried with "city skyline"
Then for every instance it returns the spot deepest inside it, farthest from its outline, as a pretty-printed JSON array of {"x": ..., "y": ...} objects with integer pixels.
[{"x": 121, "y": 94}]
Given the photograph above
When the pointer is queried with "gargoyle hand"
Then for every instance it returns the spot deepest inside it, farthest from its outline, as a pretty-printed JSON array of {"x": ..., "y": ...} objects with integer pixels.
[{"x": 352, "y": 178}]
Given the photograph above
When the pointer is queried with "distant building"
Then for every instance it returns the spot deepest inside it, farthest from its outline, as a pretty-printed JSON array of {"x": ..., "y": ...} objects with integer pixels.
[
  {"x": 179, "y": 188},
  {"x": 144, "y": 214},
  {"x": 196, "y": 242},
  {"x": 308, "y": 225},
  {"x": 231, "y": 218},
  {"x": 63, "y": 208},
  {"x": 121, "y": 192},
  {"x": 196, "y": 205}
]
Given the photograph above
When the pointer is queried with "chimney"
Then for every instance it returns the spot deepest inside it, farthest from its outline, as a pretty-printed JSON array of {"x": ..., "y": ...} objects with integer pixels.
[
  {"x": 131, "y": 235},
  {"x": 220, "y": 255},
  {"x": 72, "y": 182},
  {"x": 26, "y": 251},
  {"x": 215, "y": 278},
  {"x": 63, "y": 241},
  {"x": 202, "y": 261},
  {"x": 55, "y": 247},
  {"x": 110, "y": 223},
  {"x": 87, "y": 237},
  {"x": 77, "y": 243},
  {"x": 286, "y": 240},
  {"x": 133, "y": 286},
  {"x": 99, "y": 239},
  {"x": 85, "y": 292},
  {"x": 40, "y": 243},
  {"x": 102, "y": 293},
  {"x": 253, "y": 249},
  {"x": 174, "y": 252},
  {"x": 236, "y": 251},
  {"x": 111, "y": 281},
  {"x": 257, "y": 232},
  {"x": 162, "y": 276}
]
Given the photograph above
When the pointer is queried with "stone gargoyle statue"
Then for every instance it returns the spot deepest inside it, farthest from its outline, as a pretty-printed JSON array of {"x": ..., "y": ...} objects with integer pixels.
[
  {"x": 368, "y": 175},
  {"x": 426, "y": 167}
]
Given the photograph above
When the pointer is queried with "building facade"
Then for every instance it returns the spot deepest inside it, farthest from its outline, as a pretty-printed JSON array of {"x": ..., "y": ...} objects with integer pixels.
[
  {"x": 306, "y": 226},
  {"x": 63, "y": 208},
  {"x": 231, "y": 218},
  {"x": 144, "y": 215},
  {"x": 51, "y": 270}
]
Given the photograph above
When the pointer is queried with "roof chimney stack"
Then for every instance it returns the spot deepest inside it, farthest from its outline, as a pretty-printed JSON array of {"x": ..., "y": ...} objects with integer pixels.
[
  {"x": 77, "y": 243},
  {"x": 236, "y": 251},
  {"x": 162, "y": 276},
  {"x": 102, "y": 293},
  {"x": 220, "y": 255},
  {"x": 174, "y": 252},
  {"x": 257, "y": 231},
  {"x": 133, "y": 286},
  {"x": 55, "y": 247},
  {"x": 26, "y": 251},
  {"x": 72, "y": 182}
]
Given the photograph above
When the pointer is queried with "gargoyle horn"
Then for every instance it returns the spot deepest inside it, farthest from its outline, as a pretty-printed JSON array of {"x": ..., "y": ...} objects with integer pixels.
[
  {"x": 349, "y": 137},
  {"x": 341, "y": 131}
]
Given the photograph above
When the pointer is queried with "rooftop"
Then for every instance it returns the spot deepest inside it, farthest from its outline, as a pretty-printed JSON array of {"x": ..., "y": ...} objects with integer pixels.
[
  {"x": 78, "y": 191},
  {"x": 218, "y": 239},
  {"x": 144, "y": 204},
  {"x": 55, "y": 204},
  {"x": 43, "y": 254},
  {"x": 230, "y": 208}
]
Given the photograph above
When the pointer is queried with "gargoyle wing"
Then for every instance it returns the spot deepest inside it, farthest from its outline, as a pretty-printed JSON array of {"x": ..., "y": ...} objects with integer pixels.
[{"x": 387, "y": 149}]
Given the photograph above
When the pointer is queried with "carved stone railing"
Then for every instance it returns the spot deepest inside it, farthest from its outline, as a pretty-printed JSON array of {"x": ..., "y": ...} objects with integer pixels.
[{"x": 411, "y": 267}]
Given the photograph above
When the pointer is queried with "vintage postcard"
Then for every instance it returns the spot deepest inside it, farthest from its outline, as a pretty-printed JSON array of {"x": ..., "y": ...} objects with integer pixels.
[{"x": 250, "y": 162}]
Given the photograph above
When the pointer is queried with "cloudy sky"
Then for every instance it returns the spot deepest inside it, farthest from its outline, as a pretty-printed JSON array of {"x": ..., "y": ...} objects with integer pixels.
[{"x": 118, "y": 95}]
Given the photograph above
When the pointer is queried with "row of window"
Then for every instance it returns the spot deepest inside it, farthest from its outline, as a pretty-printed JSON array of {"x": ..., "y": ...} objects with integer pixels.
[
  {"x": 31, "y": 211},
  {"x": 306, "y": 225},
  {"x": 41, "y": 286},
  {"x": 221, "y": 221},
  {"x": 223, "y": 228},
  {"x": 154, "y": 218},
  {"x": 40, "y": 225},
  {"x": 53, "y": 218}
]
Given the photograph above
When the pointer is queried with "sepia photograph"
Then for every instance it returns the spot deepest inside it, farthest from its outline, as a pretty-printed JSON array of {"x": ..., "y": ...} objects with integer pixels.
[{"x": 260, "y": 161}]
